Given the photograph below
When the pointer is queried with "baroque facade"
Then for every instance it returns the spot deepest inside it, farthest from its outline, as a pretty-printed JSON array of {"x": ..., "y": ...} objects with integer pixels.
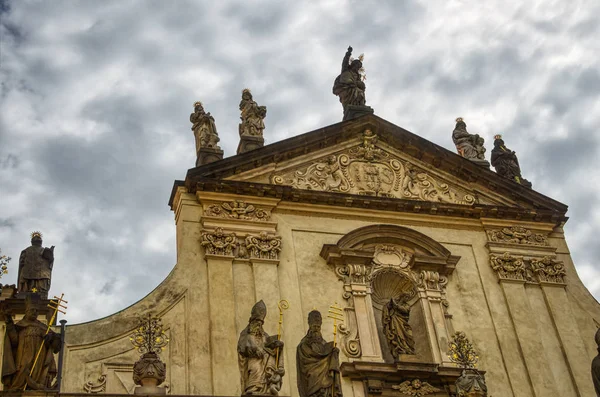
[{"x": 383, "y": 223}]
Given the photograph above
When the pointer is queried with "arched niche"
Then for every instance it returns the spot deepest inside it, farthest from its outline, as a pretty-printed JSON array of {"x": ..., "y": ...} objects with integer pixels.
[{"x": 380, "y": 262}]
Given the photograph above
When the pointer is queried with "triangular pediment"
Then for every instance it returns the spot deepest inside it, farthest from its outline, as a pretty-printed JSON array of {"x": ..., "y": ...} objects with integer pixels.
[{"x": 370, "y": 157}]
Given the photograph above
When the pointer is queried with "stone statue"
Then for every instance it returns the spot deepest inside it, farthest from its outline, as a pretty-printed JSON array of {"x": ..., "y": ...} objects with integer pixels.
[
  {"x": 260, "y": 356},
  {"x": 317, "y": 362},
  {"x": 22, "y": 342},
  {"x": 396, "y": 328},
  {"x": 471, "y": 384},
  {"x": 205, "y": 130},
  {"x": 596, "y": 366},
  {"x": 35, "y": 267},
  {"x": 469, "y": 146},
  {"x": 349, "y": 85},
  {"x": 506, "y": 163},
  {"x": 252, "y": 116}
]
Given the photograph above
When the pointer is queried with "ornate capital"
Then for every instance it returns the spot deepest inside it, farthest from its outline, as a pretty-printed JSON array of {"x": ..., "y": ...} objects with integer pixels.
[
  {"x": 517, "y": 235},
  {"x": 218, "y": 242},
  {"x": 237, "y": 209},
  {"x": 432, "y": 280},
  {"x": 263, "y": 246},
  {"x": 509, "y": 267},
  {"x": 415, "y": 388},
  {"x": 353, "y": 274},
  {"x": 548, "y": 270}
]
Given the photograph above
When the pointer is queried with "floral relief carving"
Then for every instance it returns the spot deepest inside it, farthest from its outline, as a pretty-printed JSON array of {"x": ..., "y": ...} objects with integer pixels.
[
  {"x": 238, "y": 210},
  {"x": 415, "y": 388},
  {"x": 217, "y": 242},
  {"x": 509, "y": 267},
  {"x": 548, "y": 270},
  {"x": 517, "y": 235},
  {"x": 263, "y": 246},
  {"x": 368, "y": 170}
]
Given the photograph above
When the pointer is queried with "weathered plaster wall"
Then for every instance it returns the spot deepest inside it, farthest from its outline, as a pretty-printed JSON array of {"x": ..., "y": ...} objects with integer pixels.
[{"x": 533, "y": 340}]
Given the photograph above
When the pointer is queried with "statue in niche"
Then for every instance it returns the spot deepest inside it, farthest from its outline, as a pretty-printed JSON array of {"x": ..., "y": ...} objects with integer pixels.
[
  {"x": 205, "y": 130},
  {"x": 596, "y": 366},
  {"x": 22, "y": 342},
  {"x": 317, "y": 362},
  {"x": 396, "y": 328},
  {"x": 252, "y": 116},
  {"x": 469, "y": 146},
  {"x": 349, "y": 85},
  {"x": 35, "y": 267},
  {"x": 506, "y": 163},
  {"x": 259, "y": 356}
]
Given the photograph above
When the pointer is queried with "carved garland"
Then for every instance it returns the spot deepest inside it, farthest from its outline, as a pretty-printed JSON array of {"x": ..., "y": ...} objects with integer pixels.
[
  {"x": 545, "y": 270},
  {"x": 368, "y": 170},
  {"x": 262, "y": 246},
  {"x": 237, "y": 210},
  {"x": 517, "y": 235}
]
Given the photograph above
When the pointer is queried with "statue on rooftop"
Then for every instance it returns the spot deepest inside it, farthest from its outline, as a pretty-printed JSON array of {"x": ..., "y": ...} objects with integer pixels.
[
  {"x": 35, "y": 267},
  {"x": 349, "y": 86},
  {"x": 259, "y": 356},
  {"x": 252, "y": 116},
  {"x": 506, "y": 163},
  {"x": 23, "y": 342},
  {"x": 205, "y": 130},
  {"x": 317, "y": 362},
  {"x": 469, "y": 146}
]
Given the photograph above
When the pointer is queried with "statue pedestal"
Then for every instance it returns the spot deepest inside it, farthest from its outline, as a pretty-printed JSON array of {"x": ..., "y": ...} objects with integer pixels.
[
  {"x": 354, "y": 111},
  {"x": 250, "y": 142},
  {"x": 16, "y": 307},
  {"x": 208, "y": 155},
  {"x": 150, "y": 390},
  {"x": 481, "y": 163}
]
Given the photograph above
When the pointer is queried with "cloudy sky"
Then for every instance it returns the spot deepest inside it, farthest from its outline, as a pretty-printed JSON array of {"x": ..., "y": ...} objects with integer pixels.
[{"x": 96, "y": 97}]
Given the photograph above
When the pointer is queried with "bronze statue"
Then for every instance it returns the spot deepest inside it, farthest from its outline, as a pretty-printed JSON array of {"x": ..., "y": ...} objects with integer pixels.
[
  {"x": 252, "y": 116},
  {"x": 396, "y": 328},
  {"x": 469, "y": 146},
  {"x": 317, "y": 362},
  {"x": 22, "y": 342},
  {"x": 596, "y": 366},
  {"x": 260, "y": 356},
  {"x": 349, "y": 85},
  {"x": 205, "y": 130},
  {"x": 35, "y": 267},
  {"x": 506, "y": 163}
]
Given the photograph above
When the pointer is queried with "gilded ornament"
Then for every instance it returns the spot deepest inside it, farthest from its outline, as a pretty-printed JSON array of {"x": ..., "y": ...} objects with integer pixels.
[{"x": 461, "y": 351}]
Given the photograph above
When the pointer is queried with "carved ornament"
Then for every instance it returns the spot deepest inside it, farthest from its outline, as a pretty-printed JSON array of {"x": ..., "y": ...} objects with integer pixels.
[
  {"x": 96, "y": 387},
  {"x": 432, "y": 280},
  {"x": 218, "y": 242},
  {"x": 237, "y": 210},
  {"x": 370, "y": 171},
  {"x": 517, "y": 235},
  {"x": 415, "y": 388},
  {"x": 263, "y": 246},
  {"x": 548, "y": 270},
  {"x": 509, "y": 267}
]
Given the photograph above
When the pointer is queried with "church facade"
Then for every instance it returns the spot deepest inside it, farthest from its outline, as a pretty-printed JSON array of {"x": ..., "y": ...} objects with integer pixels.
[{"x": 412, "y": 242}]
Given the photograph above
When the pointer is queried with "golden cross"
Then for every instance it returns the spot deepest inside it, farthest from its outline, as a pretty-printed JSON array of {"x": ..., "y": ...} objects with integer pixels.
[{"x": 34, "y": 290}]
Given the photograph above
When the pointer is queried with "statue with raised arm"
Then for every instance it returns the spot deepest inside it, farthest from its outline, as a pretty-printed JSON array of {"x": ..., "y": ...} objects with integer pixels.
[
  {"x": 317, "y": 362},
  {"x": 469, "y": 146},
  {"x": 259, "y": 356},
  {"x": 349, "y": 85},
  {"x": 252, "y": 116},
  {"x": 35, "y": 267},
  {"x": 506, "y": 163},
  {"x": 205, "y": 130},
  {"x": 28, "y": 359}
]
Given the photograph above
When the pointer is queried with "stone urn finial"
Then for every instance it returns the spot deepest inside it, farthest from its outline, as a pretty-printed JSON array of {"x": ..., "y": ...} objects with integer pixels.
[{"x": 149, "y": 371}]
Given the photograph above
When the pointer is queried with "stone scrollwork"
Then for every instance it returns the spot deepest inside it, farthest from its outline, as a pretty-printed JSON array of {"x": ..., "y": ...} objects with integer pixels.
[
  {"x": 432, "y": 280},
  {"x": 517, "y": 235},
  {"x": 238, "y": 210},
  {"x": 95, "y": 387},
  {"x": 263, "y": 246},
  {"x": 218, "y": 242},
  {"x": 415, "y": 388},
  {"x": 349, "y": 335},
  {"x": 548, "y": 270},
  {"x": 368, "y": 170},
  {"x": 353, "y": 274},
  {"x": 509, "y": 267}
]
